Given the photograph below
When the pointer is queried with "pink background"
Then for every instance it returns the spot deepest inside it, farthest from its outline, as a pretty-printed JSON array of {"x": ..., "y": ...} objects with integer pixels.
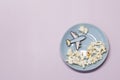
[{"x": 31, "y": 32}]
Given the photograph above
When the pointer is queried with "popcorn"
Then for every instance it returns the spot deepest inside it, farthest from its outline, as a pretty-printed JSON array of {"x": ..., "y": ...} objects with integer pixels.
[
  {"x": 83, "y": 29},
  {"x": 85, "y": 58}
]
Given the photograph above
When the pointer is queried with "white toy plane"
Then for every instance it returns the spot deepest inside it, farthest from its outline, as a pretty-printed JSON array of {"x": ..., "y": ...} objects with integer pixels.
[{"x": 76, "y": 39}]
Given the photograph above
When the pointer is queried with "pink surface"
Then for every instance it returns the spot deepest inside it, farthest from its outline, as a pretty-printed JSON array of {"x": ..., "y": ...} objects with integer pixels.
[{"x": 31, "y": 32}]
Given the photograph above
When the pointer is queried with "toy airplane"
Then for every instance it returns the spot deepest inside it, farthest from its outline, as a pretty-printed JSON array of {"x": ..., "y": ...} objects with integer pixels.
[{"x": 76, "y": 39}]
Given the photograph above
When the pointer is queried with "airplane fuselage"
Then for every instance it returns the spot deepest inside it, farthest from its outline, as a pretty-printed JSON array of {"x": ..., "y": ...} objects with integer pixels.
[{"x": 79, "y": 39}]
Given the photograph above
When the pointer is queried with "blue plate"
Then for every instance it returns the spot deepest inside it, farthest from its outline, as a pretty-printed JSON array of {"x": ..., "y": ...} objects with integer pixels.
[{"x": 94, "y": 34}]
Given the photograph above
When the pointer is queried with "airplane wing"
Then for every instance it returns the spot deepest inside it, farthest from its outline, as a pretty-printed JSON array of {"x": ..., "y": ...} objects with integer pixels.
[
  {"x": 74, "y": 35},
  {"x": 77, "y": 45}
]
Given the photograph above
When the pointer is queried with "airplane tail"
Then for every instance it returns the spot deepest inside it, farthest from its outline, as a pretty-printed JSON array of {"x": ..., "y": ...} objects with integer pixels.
[{"x": 68, "y": 42}]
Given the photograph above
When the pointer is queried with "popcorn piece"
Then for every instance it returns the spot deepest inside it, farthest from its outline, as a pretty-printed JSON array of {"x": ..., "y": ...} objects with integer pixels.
[
  {"x": 69, "y": 61},
  {"x": 82, "y": 64},
  {"x": 83, "y": 29},
  {"x": 69, "y": 53},
  {"x": 86, "y": 30},
  {"x": 89, "y": 61}
]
